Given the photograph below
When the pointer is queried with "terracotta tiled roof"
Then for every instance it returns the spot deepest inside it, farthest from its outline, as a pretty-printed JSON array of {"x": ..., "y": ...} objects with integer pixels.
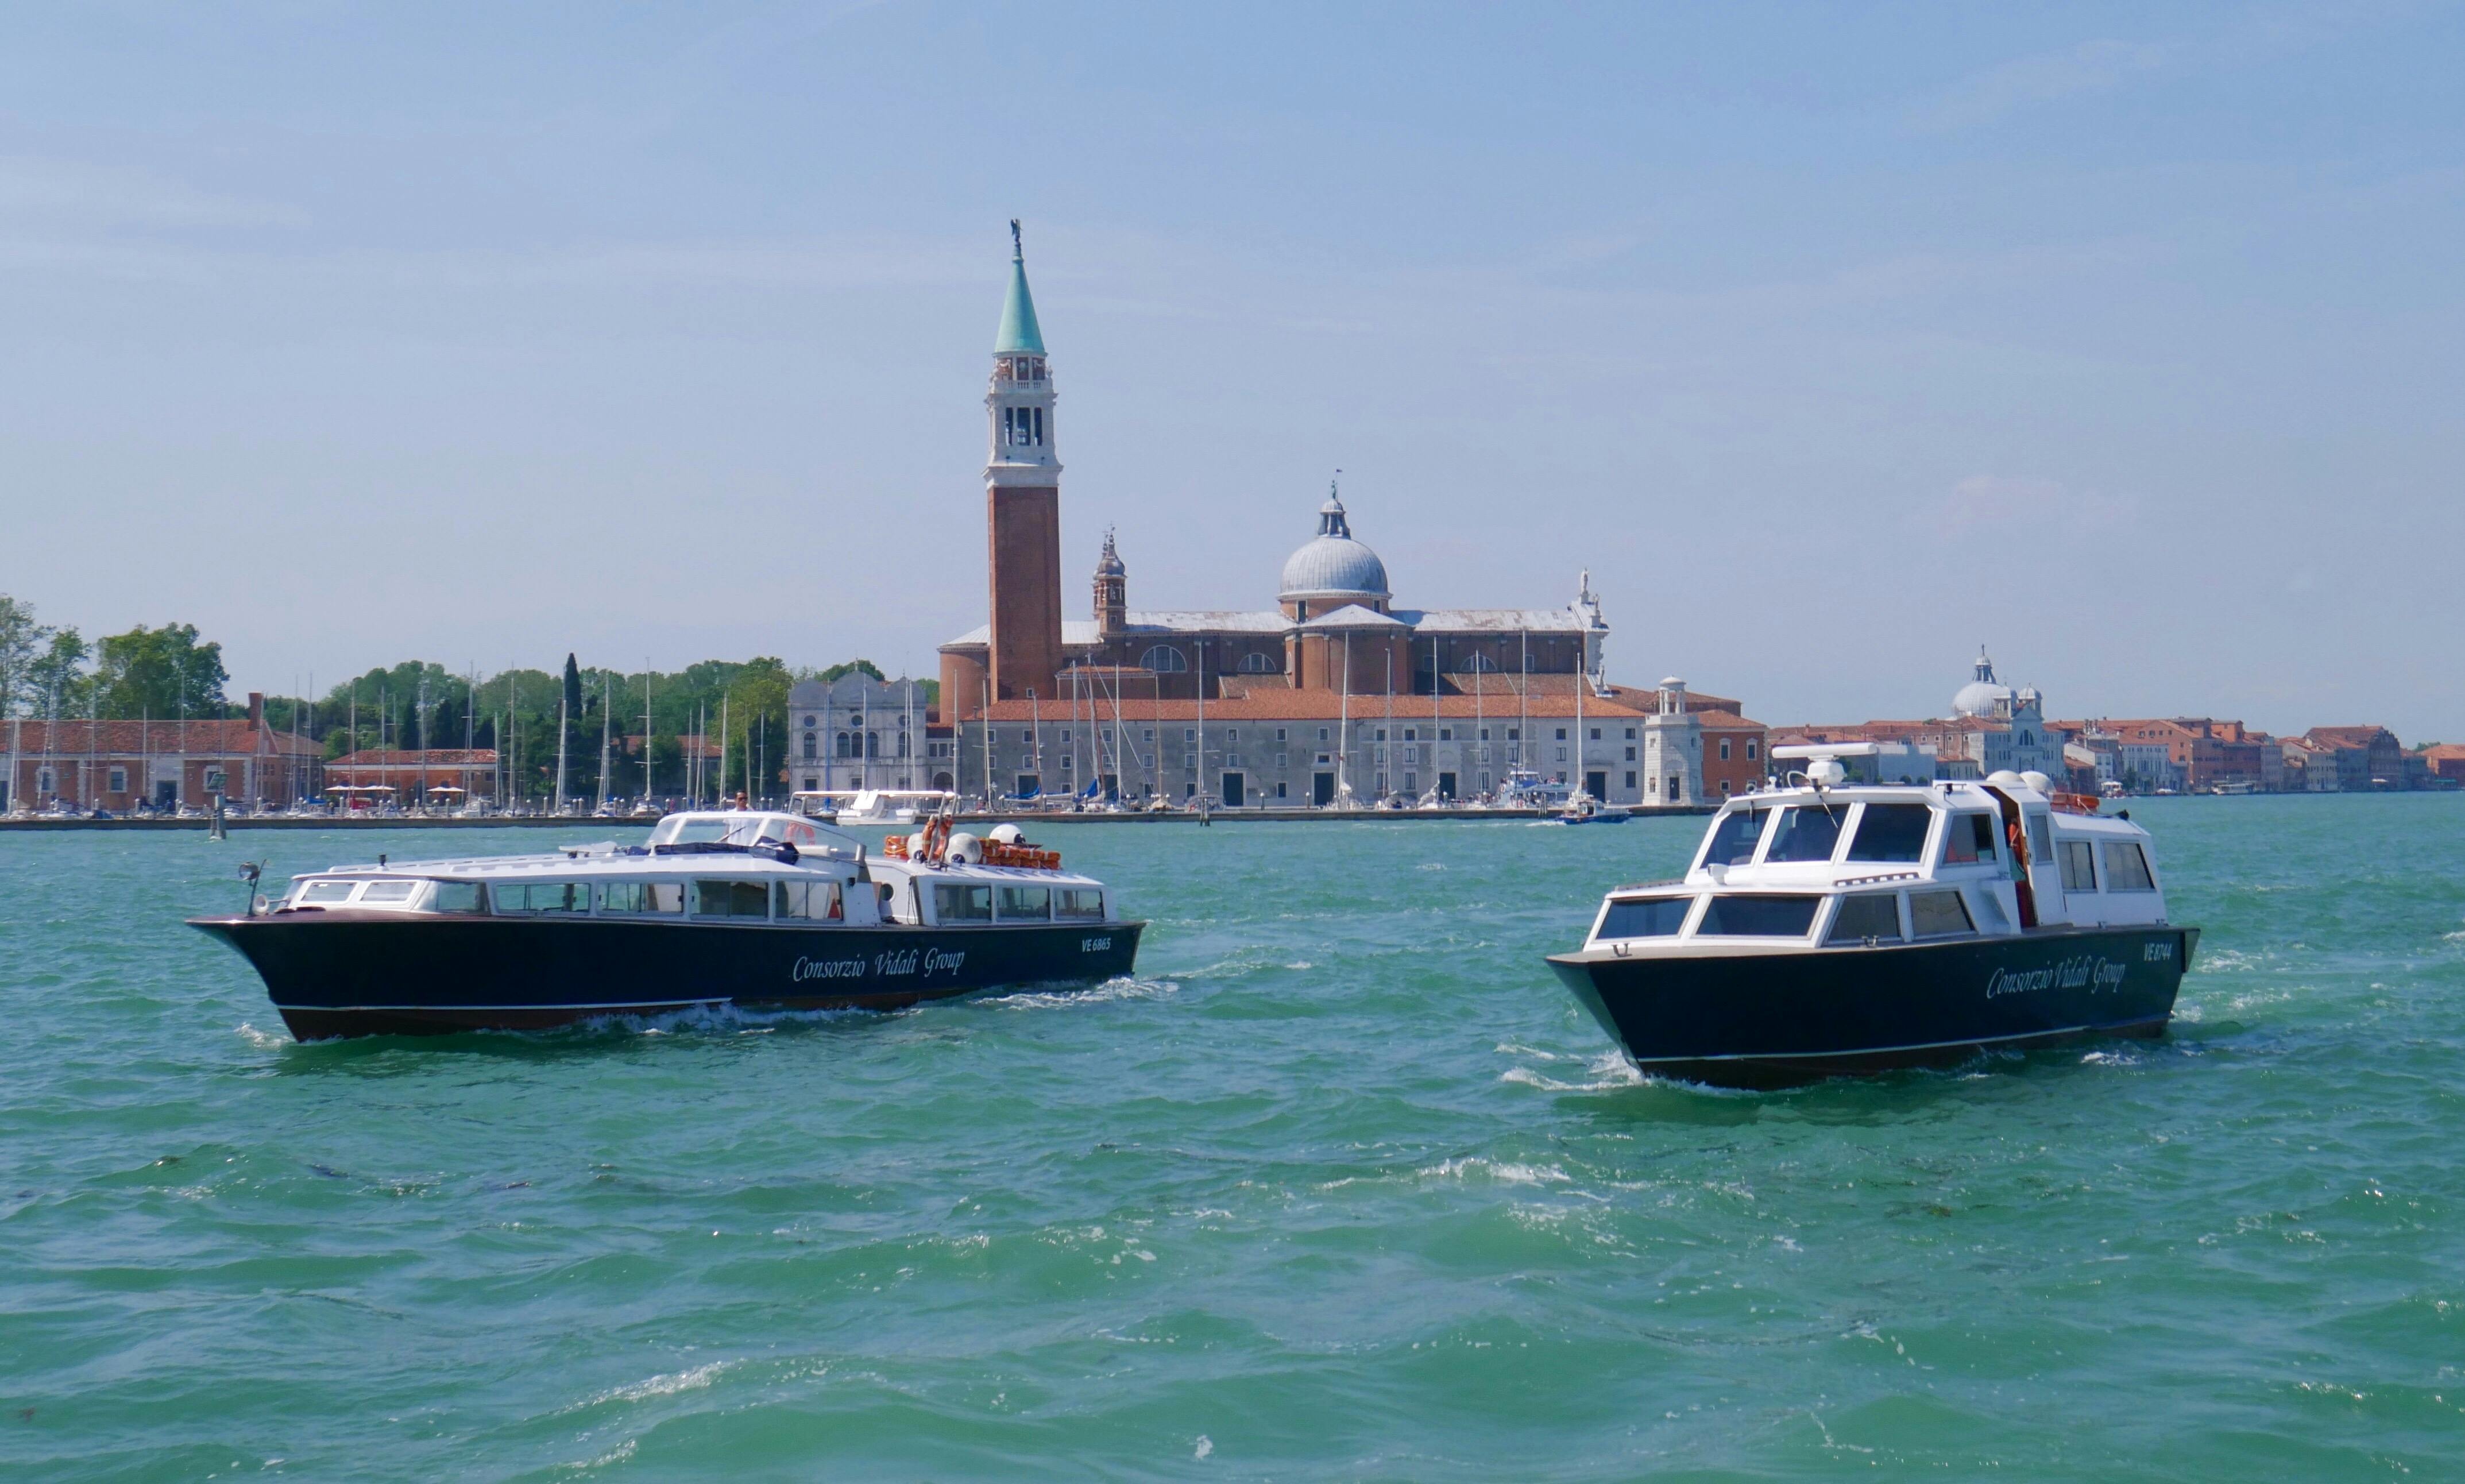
[
  {"x": 232, "y": 738},
  {"x": 2346, "y": 736}
]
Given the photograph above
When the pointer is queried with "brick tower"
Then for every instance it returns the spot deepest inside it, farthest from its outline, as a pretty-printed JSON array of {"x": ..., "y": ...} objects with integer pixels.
[{"x": 1022, "y": 504}]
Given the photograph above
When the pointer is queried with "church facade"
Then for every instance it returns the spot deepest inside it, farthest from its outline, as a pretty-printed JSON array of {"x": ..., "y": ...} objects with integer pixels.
[{"x": 1335, "y": 693}]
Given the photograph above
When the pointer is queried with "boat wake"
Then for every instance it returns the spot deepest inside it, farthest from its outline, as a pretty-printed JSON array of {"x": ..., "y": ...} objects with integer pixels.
[
  {"x": 1126, "y": 987},
  {"x": 1608, "y": 1072}
]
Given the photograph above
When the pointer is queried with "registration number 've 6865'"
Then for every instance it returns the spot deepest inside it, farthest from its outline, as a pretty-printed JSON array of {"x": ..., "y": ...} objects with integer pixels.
[
  {"x": 1095, "y": 944},
  {"x": 2156, "y": 953}
]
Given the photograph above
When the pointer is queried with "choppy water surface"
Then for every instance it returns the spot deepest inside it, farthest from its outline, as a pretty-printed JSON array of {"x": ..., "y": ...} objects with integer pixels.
[{"x": 1341, "y": 1186}]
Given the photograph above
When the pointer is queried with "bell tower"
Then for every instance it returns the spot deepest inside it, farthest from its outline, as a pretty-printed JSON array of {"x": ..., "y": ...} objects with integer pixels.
[
  {"x": 1023, "y": 502},
  {"x": 1112, "y": 591}
]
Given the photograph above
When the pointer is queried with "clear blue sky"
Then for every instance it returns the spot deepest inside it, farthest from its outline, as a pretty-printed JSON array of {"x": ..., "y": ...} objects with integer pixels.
[{"x": 1834, "y": 339}]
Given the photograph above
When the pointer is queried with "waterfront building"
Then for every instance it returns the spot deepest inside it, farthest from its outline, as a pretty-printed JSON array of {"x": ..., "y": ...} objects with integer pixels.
[
  {"x": 1338, "y": 692},
  {"x": 857, "y": 732},
  {"x": 417, "y": 773},
  {"x": 2363, "y": 756},
  {"x": 117, "y": 765},
  {"x": 1992, "y": 727},
  {"x": 2444, "y": 761}
]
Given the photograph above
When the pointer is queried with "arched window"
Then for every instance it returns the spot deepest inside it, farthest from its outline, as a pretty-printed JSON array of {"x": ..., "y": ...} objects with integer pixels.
[
  {"x": 812, "y": 746},
  {"x": 1258, "y": 662},
  {"x": 1164, "y": 659},
  {"x": 1482, "y": 664},
  {"x": 840, "y": 745}
]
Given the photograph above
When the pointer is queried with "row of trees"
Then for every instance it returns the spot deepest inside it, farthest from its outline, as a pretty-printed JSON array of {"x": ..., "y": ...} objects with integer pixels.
[
  {"x": 169, "y": 673},
  {"x": 48, "y": 670}
]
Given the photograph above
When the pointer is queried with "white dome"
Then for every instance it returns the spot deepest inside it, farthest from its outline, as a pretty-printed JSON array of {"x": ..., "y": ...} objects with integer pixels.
[
  {"x": 1333, "y": 562},
  {"x": 1982, "y": 695},
  {"x": 1979, "y": 698}
]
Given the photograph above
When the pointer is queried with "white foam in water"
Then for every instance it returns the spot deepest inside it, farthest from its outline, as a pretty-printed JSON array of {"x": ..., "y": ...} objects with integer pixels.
[
  {"x": 692, "y": 1380},
  {"x": 262, "y": 1038},
  {"x": 1505, "y": 1172},
  {"x": 1609, "y": 1073},
  {"x": 1111, "y": 990}
]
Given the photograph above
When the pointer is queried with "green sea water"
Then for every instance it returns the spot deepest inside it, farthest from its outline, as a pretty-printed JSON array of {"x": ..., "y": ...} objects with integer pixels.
[{"x": 1341, "y": 1186}]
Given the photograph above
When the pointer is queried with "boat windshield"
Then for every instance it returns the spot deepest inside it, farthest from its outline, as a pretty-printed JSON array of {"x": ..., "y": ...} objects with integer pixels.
[
  {"x": 707, "y": 829},
  {"x": 1808, "y": 832},
  {"x": 1734, "y": 835}
]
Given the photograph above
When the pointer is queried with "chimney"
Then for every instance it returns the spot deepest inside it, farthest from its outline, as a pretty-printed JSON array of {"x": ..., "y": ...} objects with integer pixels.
[{"x": 255, "y": 710}]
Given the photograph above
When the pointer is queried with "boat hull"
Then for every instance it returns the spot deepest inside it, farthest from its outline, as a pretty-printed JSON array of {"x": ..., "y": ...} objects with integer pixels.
[
  {"x": 1778, "y": 1020},
  {"x": 345, "y": 974}
]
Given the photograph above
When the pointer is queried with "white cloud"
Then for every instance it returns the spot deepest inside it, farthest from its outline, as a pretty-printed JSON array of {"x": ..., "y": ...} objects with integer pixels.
[
  {"x": 64, "y": 192},
  {"x": 1986, "y": 499},
  {"x": 2007, "y": 88}
]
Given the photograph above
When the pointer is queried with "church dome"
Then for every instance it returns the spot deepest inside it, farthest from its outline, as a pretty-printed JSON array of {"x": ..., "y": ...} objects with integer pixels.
[
  {"x": 1982, "y": 695},
  {"x": 1333, "y": 564}
]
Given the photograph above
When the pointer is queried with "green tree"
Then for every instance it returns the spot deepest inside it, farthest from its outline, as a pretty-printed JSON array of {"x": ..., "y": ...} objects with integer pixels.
[
  {"x": 22, "y": 642},
  {"x": 850, "y": 667},
  {"x": 159, "y": 672},
  {"x": 57, "y": 678}
]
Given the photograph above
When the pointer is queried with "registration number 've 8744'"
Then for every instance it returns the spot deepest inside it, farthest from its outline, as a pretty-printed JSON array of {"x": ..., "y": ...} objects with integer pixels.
[
  {"x": 2156, "y": 953},
  {"x": 1095, "y": 944}
]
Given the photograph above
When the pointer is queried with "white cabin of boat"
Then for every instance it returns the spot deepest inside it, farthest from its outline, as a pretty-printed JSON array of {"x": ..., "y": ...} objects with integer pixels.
[
  {"x": 1815, "y": 867},
  {"x": 744, "y": 868}
]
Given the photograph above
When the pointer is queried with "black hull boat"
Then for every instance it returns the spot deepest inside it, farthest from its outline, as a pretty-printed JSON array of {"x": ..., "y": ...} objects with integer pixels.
[
  {"x": 773, "y": 912},
  {"x": 345, "y": 974},
  {"x": 1824, "y": 929},
  {"x": 1775, "y": 1021}
]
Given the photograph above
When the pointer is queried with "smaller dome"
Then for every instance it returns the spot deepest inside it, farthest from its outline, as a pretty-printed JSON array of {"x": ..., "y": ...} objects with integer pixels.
[
  {"x": 1332, "y": 563},
  {"x": 1109, "y": 564}
]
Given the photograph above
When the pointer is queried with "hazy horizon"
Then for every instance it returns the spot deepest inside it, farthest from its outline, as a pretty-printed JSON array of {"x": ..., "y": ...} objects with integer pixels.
[{"x": 1834, "y": 344}]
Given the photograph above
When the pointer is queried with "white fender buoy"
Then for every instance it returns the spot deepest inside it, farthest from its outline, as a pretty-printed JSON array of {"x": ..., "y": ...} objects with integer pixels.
[
  {"x": 967, "y": 850},
  {"x": 1007, "y": 834},
  {"x": 916, "y": 846}
]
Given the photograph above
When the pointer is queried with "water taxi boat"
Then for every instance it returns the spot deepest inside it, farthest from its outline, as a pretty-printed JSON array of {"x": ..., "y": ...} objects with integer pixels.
[
  {"x": 743, "y": 908},
  {"x": 1823, "y": 929}
]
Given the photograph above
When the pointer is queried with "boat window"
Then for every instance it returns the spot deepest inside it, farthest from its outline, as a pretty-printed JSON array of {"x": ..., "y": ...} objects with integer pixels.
[
  {"x": 538, "y": 897},
  {"x": 458, "y": 896},
  {"x": 1649, "y": 916},
  {"x": 642, "y": 899},
  {"x": 698, "y": 830},
  {"x": 1869, "y": 916},
  {"x": 1892, "y": 831},
  {"x": 327, "y": 893},
  {"x": 1078, "y": 902},
  {"x": 730, "y": 899},
  {"x": 1758, "y": 917},
  {"x": 1019, "y": 902},
  {"x": 2079, "y": 865},
  {"x": 1808, "y": 832},
  {"x": 958, "y": 901},
  {"x": 2126, "y": 867},
  {"x": 389, "y": 891},
  {"x": 1969, "y": 839},
  {"x": 811, "y": 901},
  {"x": 777, "y": 830},
  {"x": 2041, "y": 849},
  {"x": 1734, "y": 835},
  {"x": 1939, "y": 914}
]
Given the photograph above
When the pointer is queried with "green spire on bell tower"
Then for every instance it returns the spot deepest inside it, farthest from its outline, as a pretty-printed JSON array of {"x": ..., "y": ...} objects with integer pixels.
[{"x": 1019, "y": 330}]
